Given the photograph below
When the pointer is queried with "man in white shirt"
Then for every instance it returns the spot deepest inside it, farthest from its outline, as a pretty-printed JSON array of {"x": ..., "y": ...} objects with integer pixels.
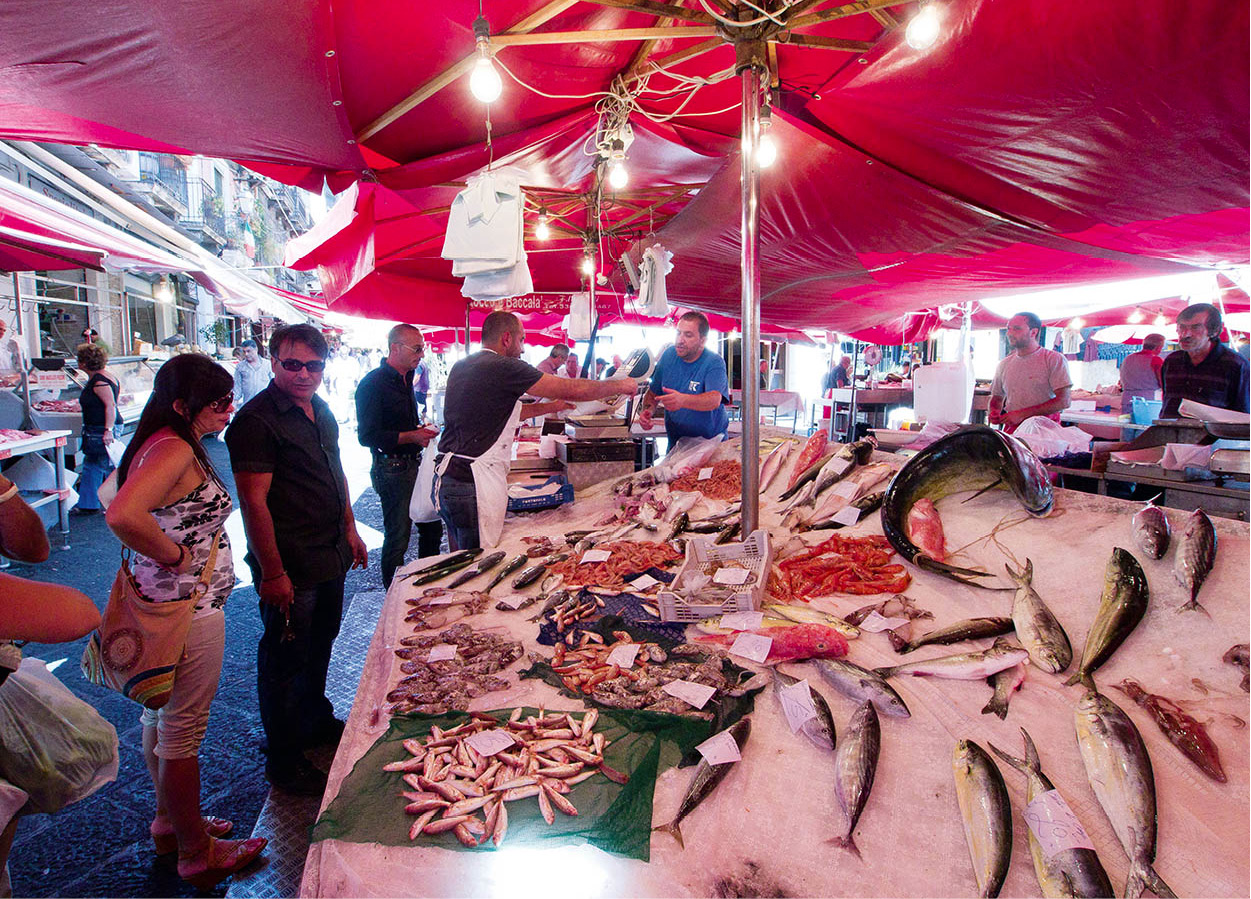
[
  {"x": 252, "y": 375},
  {"x": 10, "y": 358},
  {"x": 1031, "y": 380}
]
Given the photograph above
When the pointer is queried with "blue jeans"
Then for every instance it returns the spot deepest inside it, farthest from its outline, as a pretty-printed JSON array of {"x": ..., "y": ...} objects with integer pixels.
[
  {"x": 291, "y": 673},
  {"x": 96, "y": 467},
  {"x": 393, "y": 481},
  {"x": 458, "y": 507}
]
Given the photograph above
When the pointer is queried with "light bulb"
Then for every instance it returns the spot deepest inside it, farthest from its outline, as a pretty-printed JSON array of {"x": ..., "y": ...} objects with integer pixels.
[
  {"x": 588, "y": 265},
  {"x": 484, "y": 82},
  {"x": 541, "y": 230},
  {"x": 1161, "y": 321},
  {"x": 1136, "y": 316},
  {"x": 924, "y": 28},
  {"x": 1078, "y": 323},
  {"x": 618, "y": 177},
  {"x": 766, "y": 152}
]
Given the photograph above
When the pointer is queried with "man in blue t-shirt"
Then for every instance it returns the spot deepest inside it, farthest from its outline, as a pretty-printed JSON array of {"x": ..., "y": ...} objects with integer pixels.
[{"x": 690, "y": 383}]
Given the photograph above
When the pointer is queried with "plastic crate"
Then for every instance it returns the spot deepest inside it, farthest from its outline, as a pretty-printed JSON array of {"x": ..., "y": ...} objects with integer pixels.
[
  {"x": 547, "y": 500},
  {"x": 754, "y": 553}
]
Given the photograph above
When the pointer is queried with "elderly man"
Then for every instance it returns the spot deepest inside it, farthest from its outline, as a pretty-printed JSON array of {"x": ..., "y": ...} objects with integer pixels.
[
  {"x": 1031, "y": 380},
  {"x": 559, "y": 363},
  {"x": 839, "y": 376},
  {"x": 690, "y": 384},
  {"x": 386, "y": 422},
  {"x": 297, "y": 513},
  {"x": 252, "y": 374},
  {"x": 1203, "y": 369},
  {"x": 1140, "y": 373}
]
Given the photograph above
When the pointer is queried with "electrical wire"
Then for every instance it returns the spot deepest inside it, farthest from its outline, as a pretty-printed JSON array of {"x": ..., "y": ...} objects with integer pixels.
[{"x": 535, "y": 90}]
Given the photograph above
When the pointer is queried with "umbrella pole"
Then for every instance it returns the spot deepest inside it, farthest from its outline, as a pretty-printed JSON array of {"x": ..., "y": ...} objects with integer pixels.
[
  {"x": 749, "y": 73},
  {"x": 466, "y": 329}
]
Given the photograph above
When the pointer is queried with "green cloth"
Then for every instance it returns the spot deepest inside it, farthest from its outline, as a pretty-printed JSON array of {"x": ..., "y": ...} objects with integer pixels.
[{"x": 614, "y": 817}]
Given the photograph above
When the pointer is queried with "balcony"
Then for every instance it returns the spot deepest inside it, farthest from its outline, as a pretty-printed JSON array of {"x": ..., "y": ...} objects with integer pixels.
[
  {"x": 164, "y": 179},
  {"x": 205, "y": 214}
]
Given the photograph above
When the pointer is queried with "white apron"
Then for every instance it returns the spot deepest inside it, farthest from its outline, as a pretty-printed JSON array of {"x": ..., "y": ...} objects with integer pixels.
[{"x": 490, "y": 479}]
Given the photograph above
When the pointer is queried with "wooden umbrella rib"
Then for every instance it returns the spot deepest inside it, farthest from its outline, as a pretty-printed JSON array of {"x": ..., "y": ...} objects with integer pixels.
[
  {"x": 604, "y": 36},
  {"x": 670, "y": 10},
  {"x": 841, "y": 11},
  {"x": 826, "y": 43}
]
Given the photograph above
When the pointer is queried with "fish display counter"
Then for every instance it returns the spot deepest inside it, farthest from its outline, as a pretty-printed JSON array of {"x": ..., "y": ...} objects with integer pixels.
[{"x": 918, "y": 722}]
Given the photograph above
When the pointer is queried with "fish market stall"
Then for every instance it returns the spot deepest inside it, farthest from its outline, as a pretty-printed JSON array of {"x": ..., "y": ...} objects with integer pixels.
[{"x": 774, "y": 821}]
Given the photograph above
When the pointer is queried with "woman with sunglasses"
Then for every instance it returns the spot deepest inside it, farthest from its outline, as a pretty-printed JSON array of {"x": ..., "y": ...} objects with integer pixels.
[{"x": 171, "y": 510}]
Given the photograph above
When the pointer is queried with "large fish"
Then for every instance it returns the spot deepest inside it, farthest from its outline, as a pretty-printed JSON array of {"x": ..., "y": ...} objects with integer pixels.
[
  {"x": 793, "y": 643},
  {"x": 1119, "y": 770},
  {"x": 813, "y": 449},
  {"x": 968, "y": 629},
  {"x": 986, "y": 814},
  {"x": 513, "y": 564},
  {"x": 1036, "y": 627},
  {"x": 705, "y": 779},
  {"x": 1151, "y": 530},
  {"x": 855, "y": 764},
  {"x": 964, "y": 666},
  {"x": 845, "y": 460},
  {"x": 773, "y": 463},
  {"x": 819, "y": 730},
  {"x": 972, "y": 458},
  {"x": 862, "y": 684},
  {"x": 1121, "y": 607},
  {"x": 486, "y": 563},
  {"x": 1195, "y": 556},
  {"x": 1073, "y": 872}
]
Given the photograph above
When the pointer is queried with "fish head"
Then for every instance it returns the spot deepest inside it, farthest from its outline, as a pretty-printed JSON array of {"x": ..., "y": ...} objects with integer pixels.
[
  {"x": 1025, "y": 474},
  {"x": 962, "y": 757}
]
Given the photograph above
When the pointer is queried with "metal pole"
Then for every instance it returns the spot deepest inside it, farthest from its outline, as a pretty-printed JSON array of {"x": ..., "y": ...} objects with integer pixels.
[
  {"x": 855, "y": 363},
  {"x": 750, "y": 349}
]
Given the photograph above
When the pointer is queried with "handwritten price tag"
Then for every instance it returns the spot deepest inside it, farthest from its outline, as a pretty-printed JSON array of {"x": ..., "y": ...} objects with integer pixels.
[
  {"x": 839, "y": 465},
  {"x": 848, "y": 515},
  {"x": 719, "y": 749},
  {"x": 753, "y": 647},
  {"x": 742, "y": 621},
  {"x": 704, "y": 474},
  {"x": 596, "y": 555},
  {"x": 846, "y": 488},
  {"x": 1054, "y": 825},
  {"x": 514, "y": 601},
  {"x": 875, "y": 623},
  {"x": 441, "y": 652},
  {"x": 489, "y": 742},
  {"x": 731, "y": 576},
  {"x": 642, "y": 582},
  {"x": 797, "y": 705},
  {"x": 690, "y": 692},
  {"x": 623, "y": 656}
]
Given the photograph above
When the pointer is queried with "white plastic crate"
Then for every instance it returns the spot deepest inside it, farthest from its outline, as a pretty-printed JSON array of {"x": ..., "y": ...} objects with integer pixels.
[{"x": 702, "y": 555}]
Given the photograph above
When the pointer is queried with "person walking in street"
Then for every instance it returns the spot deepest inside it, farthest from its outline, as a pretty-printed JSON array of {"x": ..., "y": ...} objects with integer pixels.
[
  {"x": 386, "y": 422},
  {"x": 302, "y": 539},
  {"x": 98, "y": 402},
  {"x": 171, "y": 510},
  {"x": 252, "y": 374},
  {"x": 1031, "y": 380}
]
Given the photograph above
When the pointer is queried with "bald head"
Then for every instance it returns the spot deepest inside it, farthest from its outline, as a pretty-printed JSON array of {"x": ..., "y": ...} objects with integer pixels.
[{"x": 1152, "y": 342}]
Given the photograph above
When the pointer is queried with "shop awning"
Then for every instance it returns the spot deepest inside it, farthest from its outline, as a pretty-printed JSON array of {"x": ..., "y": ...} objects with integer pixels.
[{"x": 21, "y": 251}]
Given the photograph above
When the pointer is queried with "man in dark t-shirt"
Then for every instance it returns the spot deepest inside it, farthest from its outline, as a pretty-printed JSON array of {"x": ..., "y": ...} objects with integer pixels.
[{"x": 1204, "y": 369}]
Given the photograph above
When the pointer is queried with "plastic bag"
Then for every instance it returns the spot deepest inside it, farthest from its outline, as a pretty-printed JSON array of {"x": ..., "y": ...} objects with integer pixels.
[
  {"x": 1049, "y": 440},
  {"x": 421, "y": 505},
  {"x": 52, "y": 744},
  {"x": 687, "y": 454}
]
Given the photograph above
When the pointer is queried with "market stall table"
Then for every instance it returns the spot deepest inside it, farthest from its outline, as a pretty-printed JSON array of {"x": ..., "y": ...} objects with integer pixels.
[
  {"x": 767, "y": 825},
  {"x": 36, "y": 496},
  {"x": 776, "y": 403}
]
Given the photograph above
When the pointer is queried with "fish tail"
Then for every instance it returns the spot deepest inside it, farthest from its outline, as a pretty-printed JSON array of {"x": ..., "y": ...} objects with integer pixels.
[
  {"x": 997, "y": 708},
  {"x": 1021, "y": 765},
  {"x": 885, "y": 672},
  {"x": 1144, "y": 877},
  {"x": 847, "y": 842},
  {"x": 1082, "y": 676},
  {"x": 673, "y": 830},
  {"x": 963, "y": 575},
  {"x": 1194, "y": 606}
]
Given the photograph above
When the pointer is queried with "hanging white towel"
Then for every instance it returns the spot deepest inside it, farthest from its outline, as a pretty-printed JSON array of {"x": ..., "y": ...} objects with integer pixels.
[
  {"x": 655, "y": 265},
  {"x": 484, "y": 226}
]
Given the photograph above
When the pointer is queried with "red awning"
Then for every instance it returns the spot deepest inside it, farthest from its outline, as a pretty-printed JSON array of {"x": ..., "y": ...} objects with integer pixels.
[{"x": 21, "y": 251}]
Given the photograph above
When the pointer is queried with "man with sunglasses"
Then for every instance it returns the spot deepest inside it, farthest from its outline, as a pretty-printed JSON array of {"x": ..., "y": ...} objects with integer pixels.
[
  {"x": 386, "y": 422},
  {"x": 302, "y": 539}
]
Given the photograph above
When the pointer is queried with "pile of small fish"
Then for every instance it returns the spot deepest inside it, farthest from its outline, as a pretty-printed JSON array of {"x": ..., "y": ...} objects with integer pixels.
[
  {"x": 449, "y": 779},
  {"x": 435, "y": 687}
]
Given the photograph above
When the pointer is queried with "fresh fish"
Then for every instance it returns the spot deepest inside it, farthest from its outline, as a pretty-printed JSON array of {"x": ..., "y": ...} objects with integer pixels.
[
  {"x": 814, "y": 448},
  {"x": 845, "y": 459},
  {"x": 925, "y": 529},
  {"x": 560, "y": 596},
  {"x": 534, "y": 572},
  {"x": 1151, "y": 530},
  {"x": 855, "y": 764},
  {"x": 550, "y": 583},
  {"x": 986, "y": 813},
  {"x": 805, "y": 614},
  {"x": 1036, "y": 627},
  {"x": 967, "y": 629},
  {"x": 861, "y": 684},
  {"x": 865, "y": 504},
  {"x": 706, "y": 779},
  {"x": 1121, "y": 607},
  {"x": 513, "y": 564},
  {"x": 819, "y": 730},
  {"x": 679, "y": 525},
  {"x": 798, "y": 641},
  {"x": 1238, "y": 656},
  {"x": 1183, "y": 731},
  {"x": 1119, "y": 770},
  {"x": 1004, "y": 683},
  {"x": 1070, "y": 872},
  {"x": 464, "y": 555},
  {"x": 681, "y": 503},
  {"x": 486, "y": 563},
  {"x": 439, "y": 573},
  {"x": 964, "y": 666},
  {"x": 727, "y": 533},
  {"x": 972, "y": 458},
  {"x": 1192, "y": 563},
  {"x": 773, "y": 464}
]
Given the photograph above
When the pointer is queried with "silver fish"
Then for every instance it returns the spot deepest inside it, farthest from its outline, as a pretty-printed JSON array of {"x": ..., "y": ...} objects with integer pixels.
[
  {"x": 1036, "y": 627},
  {"x": 534, "y": 572},
  {"x": 963, "y": 666},
  {"x": 1071, "y": 872},
  {"x": 855, "y": 764},
  {"x": 1151, "y": 530},
  {"x": 773, "y": 463},
  {"x": 968, "y": 629},
  {"x": 513, "y": 564},
  {"x": 486, "y": 563},
  {"x": 850, "y": 455},
  {"x": 862, "y": 684},
  {"x": 560, "y": 596},
  {"x": 1004, "y": 684},
  {"x": 819, "y": 730},
  {"x": 1119, "y": 770},
  {"x": 1124, "y": 602},
  {"x": 986, "y": 814},
  {"x": 705, "y": 779},
  {"x": 1194, "y": 558}
]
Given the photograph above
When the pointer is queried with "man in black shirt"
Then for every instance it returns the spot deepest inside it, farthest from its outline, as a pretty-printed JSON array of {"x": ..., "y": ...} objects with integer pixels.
[
  {"x": 284, "y": 450},
  {"x": 1204, "y": 369},
  {"x": 386, "y": 422}
]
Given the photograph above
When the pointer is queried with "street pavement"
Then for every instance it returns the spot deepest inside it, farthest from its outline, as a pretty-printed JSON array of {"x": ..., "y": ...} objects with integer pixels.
[{"x": 100, "y": 846}]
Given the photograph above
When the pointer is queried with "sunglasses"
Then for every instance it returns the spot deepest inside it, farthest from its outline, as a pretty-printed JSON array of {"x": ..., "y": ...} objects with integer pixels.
[
  {"x": 315, "y": 365},
  {"x": 223, "y": 404}
]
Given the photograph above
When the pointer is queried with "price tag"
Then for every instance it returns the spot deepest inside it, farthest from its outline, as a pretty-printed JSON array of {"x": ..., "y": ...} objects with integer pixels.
[
  {"x": 846, "y": 488},
  {"x": 441, "y": 652},
  {"x": 690, "y": 692},
  {"x": 731, "y": 576},
  {"x": 514, "y": 601},
  {"x": 753, "y": 647},
  {"x": 839, "y": 465},
  {"x": 742, "y": 621},
  {"x": 704, "y": 474},
  {"x": 489, "y": 742},
  {"x": 443, "y": 599},
  {"x": 595, "y": 555},
  {"x": 719, "y": 749},
  {"x": 847, "y": 515},
  {"x": 797, "y": 705},
  {"x": 1054, "y": 825},
  {"x": 875, "y": 623},
  {"x": 623, "y": 656},
  {"x": 643, "y": 582}
]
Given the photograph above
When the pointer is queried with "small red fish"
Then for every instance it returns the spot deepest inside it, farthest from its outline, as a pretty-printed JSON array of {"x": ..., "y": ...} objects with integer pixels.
[
  {"x": 793, "y": 642},
  {"x": 925, "y": 529}
]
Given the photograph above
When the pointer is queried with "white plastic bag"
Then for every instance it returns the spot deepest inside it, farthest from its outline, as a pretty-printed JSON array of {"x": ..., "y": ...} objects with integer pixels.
[
  {"x": 116, "y": 450},
  {"x": 687, "y": 454},
  {"x": 1048, "y": 439},
  {"x": 421, "y": 505}
]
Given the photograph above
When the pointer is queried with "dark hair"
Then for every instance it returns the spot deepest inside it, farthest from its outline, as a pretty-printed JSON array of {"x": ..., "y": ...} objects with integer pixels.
[
  {"x": 249, "y": 343},
  {"x": 91, "y": 357},
  {"x": 559, "y": 351},
  {"x": 90, "y": 332},
  {"x": 495, "y": 325},
  {"x": 196, "y": 380},
  {"x": 1190, "y": 313},
  {"x": 699, "y": 318},
  {"x": 305, "y": 334},
  {"x": 1032, "y": 320}
]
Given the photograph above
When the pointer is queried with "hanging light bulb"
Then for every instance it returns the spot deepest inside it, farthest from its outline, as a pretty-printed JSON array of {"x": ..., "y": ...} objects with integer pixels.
[
  {"x": 1161, "y": 321},
  {"x": 1136, "y": 316},
  {"x": 162, "y": 292},
  {"x": 588, "y": 265},
  {"x": 922, "y": 32},
  {"x": 1078, "y": 323},
  {"x": 618, "y": 177},
  {"x": 484, "y": 80},
  {"x": 766, "y": 149},
  {"x": 541, "y": 230}
]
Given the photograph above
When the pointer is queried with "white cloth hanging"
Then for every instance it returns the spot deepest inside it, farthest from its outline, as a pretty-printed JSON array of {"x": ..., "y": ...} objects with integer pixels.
[
  {"x": 653, "y": 297},
  {"x": 484, "y": 226}
]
